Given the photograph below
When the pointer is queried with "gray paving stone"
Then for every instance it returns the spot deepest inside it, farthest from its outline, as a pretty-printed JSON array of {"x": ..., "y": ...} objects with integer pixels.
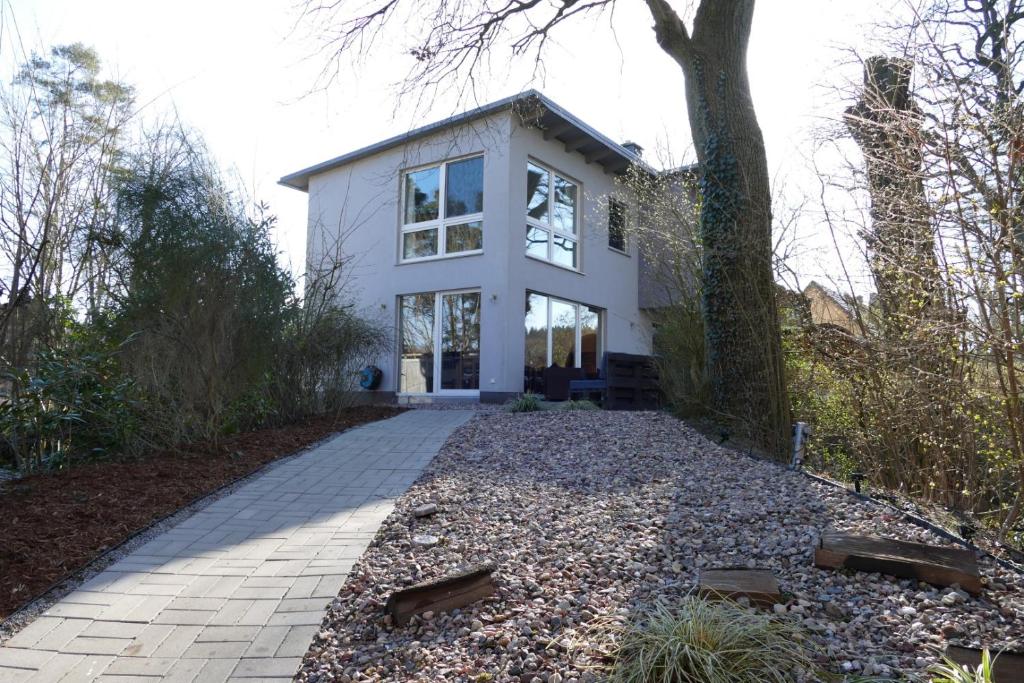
[
  {"x": 113, "y": 629},
  {"x": 31, "y": 634},
  {"x": 185, "y": 617},
  {"x": 211, "y": 671},
  {"x": 140, "y": 666},
  {"x": 96, "y": 646},
  {"x": 263, "y": 667},
  {"x": 237, "y": 591},
  {"x": 298, "y": 640},
  {"x": 296, "y": 618},
  {"x": 304, "y": 605},
  {"x": 24, "y": 659},
  {"x": 267, "y": 642},
  {"x": 222, "y": 634},
  {"x": 88, "y": 668},
  {"x": 175, "y": 644},
  {"x": 62, "y": 634},
  {"x": 146, "y": 643},
  {"x": 259, "y": 612}
]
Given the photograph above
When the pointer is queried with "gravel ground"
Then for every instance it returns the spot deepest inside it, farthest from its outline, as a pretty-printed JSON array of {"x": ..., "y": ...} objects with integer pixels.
[{"x": 590, "y": 515}]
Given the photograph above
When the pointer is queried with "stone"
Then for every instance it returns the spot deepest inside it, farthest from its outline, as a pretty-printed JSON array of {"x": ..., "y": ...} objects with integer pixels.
[
  {"x": 425, "y": 510},
  {"x": 425, "y": 540}
]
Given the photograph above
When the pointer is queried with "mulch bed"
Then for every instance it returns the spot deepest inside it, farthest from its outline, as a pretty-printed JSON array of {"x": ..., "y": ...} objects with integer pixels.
[{"x": 52, "y": 525}]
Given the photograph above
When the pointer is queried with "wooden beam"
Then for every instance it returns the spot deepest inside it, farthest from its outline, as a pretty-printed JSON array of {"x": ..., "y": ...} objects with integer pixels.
[
  {"x": 758, "y": 585},
  {"x": 937, "y": 565},
  {"x": 450, "y": 592},
  {"x": 617, "y": 166},
  {"x": 574, "y": 144},
  {"x": 557, "y": 129},
  {"x": 598, "y": 154}
]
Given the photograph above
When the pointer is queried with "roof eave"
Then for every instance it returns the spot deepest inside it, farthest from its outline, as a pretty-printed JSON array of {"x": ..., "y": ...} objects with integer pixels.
[{"x": 613, "y": 157}]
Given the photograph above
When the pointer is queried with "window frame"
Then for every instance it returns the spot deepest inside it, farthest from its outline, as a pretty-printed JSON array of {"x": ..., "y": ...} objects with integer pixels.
[
  {"x": 436, "y": 363},
  {"x": 578, "y": 334},
  {"x": 442, "y": 222},
  {"x": 612, "y": 202},
  {"x": 549, "y": 227}
]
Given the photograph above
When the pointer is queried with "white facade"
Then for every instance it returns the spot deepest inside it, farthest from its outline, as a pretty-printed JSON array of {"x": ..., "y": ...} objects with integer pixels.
[{"x": 358, "y": 202}]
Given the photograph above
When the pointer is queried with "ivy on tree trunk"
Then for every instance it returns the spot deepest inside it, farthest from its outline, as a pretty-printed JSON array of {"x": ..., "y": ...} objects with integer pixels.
[{"x": 744, "y": 348}]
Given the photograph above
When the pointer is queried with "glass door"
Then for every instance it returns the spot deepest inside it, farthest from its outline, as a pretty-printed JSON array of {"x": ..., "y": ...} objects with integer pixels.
[
  {"x": 460, "y": 341},
  {"x": 448, "y": 322}
]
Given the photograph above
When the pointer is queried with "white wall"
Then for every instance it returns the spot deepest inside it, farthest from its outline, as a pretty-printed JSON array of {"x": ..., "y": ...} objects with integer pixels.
[{"x": 361, "y": 200}]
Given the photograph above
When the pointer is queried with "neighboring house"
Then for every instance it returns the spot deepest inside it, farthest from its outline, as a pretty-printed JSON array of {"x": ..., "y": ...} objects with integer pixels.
[
  {"x": 495, "y": 243},
  {"x": 828, "y": 307}
]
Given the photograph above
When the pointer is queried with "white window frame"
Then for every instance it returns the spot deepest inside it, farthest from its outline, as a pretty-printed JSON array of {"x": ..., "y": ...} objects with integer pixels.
[
  {"x": 442, "y": 222},
  {"x": 436, "y": 331},
  {"x": 549, "y": 227},
  {"x": 578, "y": 339}
]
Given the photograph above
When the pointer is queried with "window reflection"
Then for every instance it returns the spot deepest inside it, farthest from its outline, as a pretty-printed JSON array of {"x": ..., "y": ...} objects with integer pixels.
[
  {"x": 417, "y": 343},
  {"x": 421, "y": 195}
]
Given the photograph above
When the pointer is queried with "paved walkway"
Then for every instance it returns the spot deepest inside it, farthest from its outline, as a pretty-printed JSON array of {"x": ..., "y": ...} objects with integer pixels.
[{"x": 238, "y": 590}]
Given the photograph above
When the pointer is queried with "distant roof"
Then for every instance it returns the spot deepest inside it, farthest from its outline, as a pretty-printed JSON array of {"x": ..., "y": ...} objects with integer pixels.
[
  {"x": 557, "y": 124},
  {"x": 840, "y": 300}
]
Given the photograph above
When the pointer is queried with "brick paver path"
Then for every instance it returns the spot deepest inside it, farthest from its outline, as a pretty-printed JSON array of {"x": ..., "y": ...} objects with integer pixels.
[{"x": 238, "y": 590}]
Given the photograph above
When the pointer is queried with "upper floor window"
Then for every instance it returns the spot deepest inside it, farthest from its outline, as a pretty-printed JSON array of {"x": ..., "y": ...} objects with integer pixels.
[
  {"x": 432, "y": 226},
  {"x": 617, "y": 225},
  {"x": 552, "y": 216}
]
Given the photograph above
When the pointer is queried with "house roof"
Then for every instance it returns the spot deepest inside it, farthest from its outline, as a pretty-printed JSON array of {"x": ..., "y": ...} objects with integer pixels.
[
  {"x": 837, "y": 298},
  {"x": 532, "y": 106}
]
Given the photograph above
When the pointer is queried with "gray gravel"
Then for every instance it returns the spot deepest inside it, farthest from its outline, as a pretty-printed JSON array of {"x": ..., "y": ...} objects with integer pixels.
[{"x": 590, "y": 515}]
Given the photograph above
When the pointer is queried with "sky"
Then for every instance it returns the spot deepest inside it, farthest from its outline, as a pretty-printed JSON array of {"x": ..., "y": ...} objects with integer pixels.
[{"x": 245, "y": 74}]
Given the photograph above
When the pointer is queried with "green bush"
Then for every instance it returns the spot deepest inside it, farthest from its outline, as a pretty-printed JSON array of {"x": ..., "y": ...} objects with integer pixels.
[
  {"x": 204, "y": 296},
  {"x": 527, "y": 403},
  {"x": 74, "y": 401},
  {"x": 700, "y": 641}
]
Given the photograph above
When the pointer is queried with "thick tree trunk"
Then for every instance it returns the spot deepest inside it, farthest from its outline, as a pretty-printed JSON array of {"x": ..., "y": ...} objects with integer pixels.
[
  {"x": 887, "y": 126},
  {"x": 744, "y": 349}
]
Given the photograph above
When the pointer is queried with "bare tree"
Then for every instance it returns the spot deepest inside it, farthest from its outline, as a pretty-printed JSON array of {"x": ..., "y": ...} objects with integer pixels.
[
  {"x": 927, "y": 398},
  {"x": 743, "y": 349},
  {"x": 61, "y": 126}
]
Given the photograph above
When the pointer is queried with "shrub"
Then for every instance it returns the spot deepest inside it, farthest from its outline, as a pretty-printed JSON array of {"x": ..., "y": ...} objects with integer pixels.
[
  {"x": 700, "y": 641},
  {"x": 527, "y": 403},
  {"x": 74, "y": 401},
  {"x": 679, "y": 355},
  {"x": 949, "y": 671}
]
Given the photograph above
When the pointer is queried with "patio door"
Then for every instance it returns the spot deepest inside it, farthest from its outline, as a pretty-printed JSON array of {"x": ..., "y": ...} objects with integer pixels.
[{"x": 448, "y": 322}]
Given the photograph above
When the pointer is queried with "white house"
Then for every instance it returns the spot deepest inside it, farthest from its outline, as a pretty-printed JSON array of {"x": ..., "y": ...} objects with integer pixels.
[{"x": 495, "y": 243}]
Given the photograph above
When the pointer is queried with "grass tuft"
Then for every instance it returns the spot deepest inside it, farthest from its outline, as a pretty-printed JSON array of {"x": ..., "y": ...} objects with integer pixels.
[
  {"x": 527, "y": 403},
  {"x": 948, "y": 671},
  {"x": 708, "y": 642}
]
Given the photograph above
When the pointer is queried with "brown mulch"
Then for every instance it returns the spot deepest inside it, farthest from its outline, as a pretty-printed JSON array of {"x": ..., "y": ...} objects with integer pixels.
[{"x": 52, "y": 525}]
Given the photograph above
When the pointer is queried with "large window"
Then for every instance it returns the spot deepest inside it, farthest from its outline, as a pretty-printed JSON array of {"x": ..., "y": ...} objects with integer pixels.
[
  {"x": 552, "y": 216},
  {"x": 432, "y": 227},
  {"x": 450, "y": 322},
  {"x": 617, "y": 225},
  {"x": 559, "y": 333}
]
